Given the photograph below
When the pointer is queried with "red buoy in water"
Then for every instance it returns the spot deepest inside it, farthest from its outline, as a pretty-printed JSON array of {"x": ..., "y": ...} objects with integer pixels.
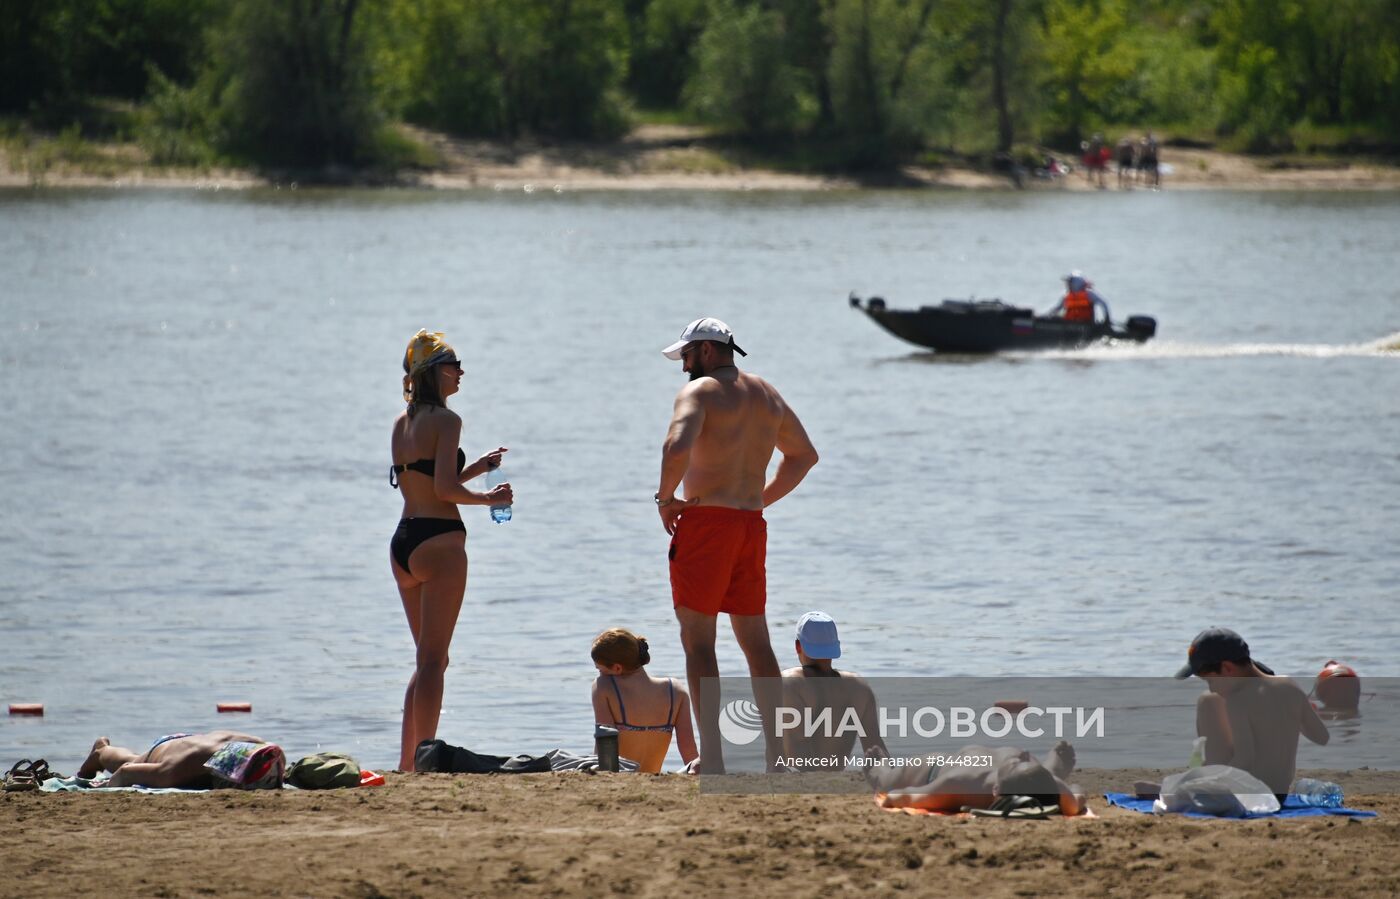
[
  {"x": 234, "y": 706},
  {"x": 1338, "y": 686},
  {"x": 27, "y": 708}
]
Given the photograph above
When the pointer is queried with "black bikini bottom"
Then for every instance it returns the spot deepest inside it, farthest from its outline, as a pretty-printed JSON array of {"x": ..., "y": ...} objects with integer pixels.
[{"x": 413, "y": 531}]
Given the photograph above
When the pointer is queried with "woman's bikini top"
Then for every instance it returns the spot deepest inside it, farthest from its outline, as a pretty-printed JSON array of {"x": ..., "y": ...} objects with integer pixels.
[
  {"x": 667, "y": 728},
  {"x": 424, "y": 466}
]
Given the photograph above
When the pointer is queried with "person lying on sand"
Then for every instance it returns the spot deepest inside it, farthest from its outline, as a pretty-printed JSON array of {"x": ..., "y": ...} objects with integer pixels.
[
  {"x": 645, "y": 710},
  {"x": 976, "y": 777},
  {"x": 817, "y": 688},
  {"x": 190, "y": 762},
  {"x": 1250, "y": 717}
]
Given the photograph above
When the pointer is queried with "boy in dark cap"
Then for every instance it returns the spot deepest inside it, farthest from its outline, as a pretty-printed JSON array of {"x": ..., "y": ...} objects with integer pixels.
[{"x": 1250, "y": 717}]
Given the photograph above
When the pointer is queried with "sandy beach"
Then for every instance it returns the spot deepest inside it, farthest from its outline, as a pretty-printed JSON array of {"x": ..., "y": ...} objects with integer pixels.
[
  {"x": 677, "y": 157},
  {"x": 581, "y": 834}
]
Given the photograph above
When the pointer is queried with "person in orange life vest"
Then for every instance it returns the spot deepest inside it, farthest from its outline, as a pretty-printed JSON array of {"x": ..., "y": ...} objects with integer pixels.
[{"x": 1079, "y": 300}]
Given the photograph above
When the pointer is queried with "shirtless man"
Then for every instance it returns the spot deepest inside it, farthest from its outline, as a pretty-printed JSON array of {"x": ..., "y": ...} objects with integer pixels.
[
  {"x": 817, "y": 686},
  {"x": 977, "y": 777},
  {"x": 724, "y": 429},
  {"x": 174, "y": 761},
  {"x": 1250, "y": 718}
]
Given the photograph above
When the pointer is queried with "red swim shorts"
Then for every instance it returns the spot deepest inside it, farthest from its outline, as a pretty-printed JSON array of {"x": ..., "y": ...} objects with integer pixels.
[{"x": 717, "y": 561}]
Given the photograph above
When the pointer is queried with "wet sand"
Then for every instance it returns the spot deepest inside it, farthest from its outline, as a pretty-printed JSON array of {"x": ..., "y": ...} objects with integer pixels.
[
  {"x": 580, "y": 834},
  {"x": 676, "y": 157}
]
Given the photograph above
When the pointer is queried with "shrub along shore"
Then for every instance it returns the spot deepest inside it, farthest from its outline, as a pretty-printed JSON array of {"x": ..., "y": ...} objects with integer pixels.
[
  {"x": 652, "y": 157},
  {"x": 862, "y": 90}
]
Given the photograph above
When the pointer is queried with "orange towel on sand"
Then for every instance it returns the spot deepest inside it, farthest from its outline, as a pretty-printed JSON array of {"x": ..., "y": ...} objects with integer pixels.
[{"x": 879, "y": 797}]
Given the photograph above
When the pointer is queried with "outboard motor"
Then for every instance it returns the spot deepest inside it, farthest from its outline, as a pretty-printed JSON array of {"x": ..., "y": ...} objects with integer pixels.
[{"x": 1141, "y": 327}]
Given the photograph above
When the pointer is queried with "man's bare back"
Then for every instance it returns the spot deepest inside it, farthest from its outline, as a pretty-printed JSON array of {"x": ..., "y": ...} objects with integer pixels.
[
  {"x": 1265, "y": 717},
  {"x": 1250, "y": 717},
  {"x": 740, "y": 416}
]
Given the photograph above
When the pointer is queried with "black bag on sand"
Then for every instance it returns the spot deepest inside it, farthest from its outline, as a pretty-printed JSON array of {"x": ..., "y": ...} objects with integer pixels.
[{"x": 440, "y": 757}]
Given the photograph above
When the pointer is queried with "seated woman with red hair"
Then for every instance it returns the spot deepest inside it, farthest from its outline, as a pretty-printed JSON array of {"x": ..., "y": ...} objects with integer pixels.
[{"x": 646, "y": 710}]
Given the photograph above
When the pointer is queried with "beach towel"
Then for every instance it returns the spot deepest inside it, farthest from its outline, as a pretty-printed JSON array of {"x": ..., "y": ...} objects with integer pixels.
[
  {"x": 84, "y": 785},
  {"x": 1293, "y": 807},
  {"x": 1087, "y": 813}
]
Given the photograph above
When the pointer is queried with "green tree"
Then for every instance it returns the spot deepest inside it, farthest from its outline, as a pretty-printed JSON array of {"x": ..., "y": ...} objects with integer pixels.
[
  {"x": 293, "y": 83},
  {"x": 742, "y": 78},
  {"x": 1089, "y": 63},
  {"x": 664, "y": 38},
  {"x": 510, "y": 67},
  {"x": 884, "y": 87}
]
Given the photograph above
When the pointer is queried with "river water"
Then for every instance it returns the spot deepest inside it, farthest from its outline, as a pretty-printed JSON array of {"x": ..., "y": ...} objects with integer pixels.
[{"x": 197, "y": 388}]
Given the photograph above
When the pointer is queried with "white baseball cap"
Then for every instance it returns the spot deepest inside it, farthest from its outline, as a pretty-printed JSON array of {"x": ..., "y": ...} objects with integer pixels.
[
  {"x": 817, "y": 634},
  {"x": 703, "y": 329}
]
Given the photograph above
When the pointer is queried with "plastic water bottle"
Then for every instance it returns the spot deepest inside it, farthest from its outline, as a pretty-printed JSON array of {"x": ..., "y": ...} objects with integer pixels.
[
  {"x": 1319, "y": 793},
  {"x": 495, "y": 478},
  {"x": 1198, "y": 753}
]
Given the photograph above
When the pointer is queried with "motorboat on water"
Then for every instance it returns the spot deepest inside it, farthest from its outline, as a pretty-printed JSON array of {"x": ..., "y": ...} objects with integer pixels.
[{"x": 988, "y": 326}]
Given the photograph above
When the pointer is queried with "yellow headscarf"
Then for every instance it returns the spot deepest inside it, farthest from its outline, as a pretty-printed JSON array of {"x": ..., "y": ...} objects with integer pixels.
[{"x": 424, "y": 349}]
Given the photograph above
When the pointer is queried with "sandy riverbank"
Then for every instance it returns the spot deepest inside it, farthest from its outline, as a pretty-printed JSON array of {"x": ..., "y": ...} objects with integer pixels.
[
  {"x": 579, "y": 834},
  {"x": 677, "y": 157}
]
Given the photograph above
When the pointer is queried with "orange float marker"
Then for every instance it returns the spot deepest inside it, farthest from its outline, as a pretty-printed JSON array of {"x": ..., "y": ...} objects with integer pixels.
[
  {"x": 234, "y": 706},
  {"x": 27, "y": 708},
  {"x": 1338, "y": 686},
  {"x": 370, "y": 779},
  {"x": 1013, "y": 706}
]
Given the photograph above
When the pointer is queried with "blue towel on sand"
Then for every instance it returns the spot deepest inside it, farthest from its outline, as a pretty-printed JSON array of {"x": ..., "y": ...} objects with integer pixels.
[{"x": 1292, "y": 808}]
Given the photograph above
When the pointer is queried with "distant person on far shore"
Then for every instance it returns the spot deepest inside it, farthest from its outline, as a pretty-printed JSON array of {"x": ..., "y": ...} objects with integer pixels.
[
  {"x": 816, "y": 686},
  {"x": 1080, "y": 300},
  {"x": 645, "y": 710},
  {"x": 1127, "y": 162},
  {"x": 1096, "y": 156},
  {"x": 1147, "y": 161},
  {"x": 428, "y": 552},
  {"x": 724, "y": 429},
  {"x": 1250, "y": 717},
  {"x": 190, "y": 762}
]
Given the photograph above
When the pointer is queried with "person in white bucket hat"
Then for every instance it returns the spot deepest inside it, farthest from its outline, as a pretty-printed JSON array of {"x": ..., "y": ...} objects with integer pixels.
[{"x": 724, "y": 429}]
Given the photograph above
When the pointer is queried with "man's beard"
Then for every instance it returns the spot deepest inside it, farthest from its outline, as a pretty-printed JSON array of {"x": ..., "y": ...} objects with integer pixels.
[{"x": 697, "y": 370}]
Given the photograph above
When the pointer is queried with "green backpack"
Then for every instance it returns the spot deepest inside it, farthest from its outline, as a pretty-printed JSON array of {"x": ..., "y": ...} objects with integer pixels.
[{"x": 324, "y": 771}]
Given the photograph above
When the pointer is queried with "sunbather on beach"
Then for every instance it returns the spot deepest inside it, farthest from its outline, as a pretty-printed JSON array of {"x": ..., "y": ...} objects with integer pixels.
[
  {"x": 977, "y": 777},
  {"x": 646, "y": 710},
  {"x": 190, "y": 762},
  {"x": 817, "y": 688},
  {"x": 1250, "y": 717}
]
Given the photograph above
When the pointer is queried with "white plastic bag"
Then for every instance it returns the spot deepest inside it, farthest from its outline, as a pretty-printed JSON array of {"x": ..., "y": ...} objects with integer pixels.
[{"x": 1216, "y": 790}]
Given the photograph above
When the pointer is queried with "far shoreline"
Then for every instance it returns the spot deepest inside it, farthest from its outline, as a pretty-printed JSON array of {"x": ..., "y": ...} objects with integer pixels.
[{"x": 676, "y": 158}]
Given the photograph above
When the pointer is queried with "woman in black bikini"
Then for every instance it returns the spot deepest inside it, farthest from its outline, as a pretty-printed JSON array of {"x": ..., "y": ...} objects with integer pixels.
[{"x": 428, "y": 552}]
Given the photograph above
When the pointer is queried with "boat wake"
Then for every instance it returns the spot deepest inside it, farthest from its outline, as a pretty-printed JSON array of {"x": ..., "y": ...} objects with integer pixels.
[{"x": 1166, "y": 349}]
